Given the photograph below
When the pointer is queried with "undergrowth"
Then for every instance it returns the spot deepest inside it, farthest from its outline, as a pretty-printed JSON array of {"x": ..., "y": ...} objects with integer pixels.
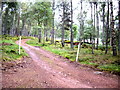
[
  {"x": 10, "y": 50},
  {"x": 98, "y": 60}
]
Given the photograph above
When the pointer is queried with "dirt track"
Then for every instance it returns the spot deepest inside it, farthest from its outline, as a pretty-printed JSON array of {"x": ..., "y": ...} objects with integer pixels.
[{"x": 47, "y": 70}]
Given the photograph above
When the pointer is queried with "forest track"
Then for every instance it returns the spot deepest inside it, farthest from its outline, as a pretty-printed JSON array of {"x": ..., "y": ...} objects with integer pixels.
[{"x": 47, "y": 70}]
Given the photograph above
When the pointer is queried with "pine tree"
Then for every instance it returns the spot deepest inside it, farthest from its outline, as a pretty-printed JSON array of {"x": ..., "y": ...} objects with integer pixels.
[
  {"x": 113, "y": 31},
  {"x": 92, "y": 26},
  {"x": 107, "y": 29},
  {"x": 97, "y": 22},
  {"x": 63, "y": 31},
  {"x": 119, "y": 28},
  {"x": 53, "y": 8},
  {"x": 103, "y": 15},
  {"x": 71, "y": 37}
]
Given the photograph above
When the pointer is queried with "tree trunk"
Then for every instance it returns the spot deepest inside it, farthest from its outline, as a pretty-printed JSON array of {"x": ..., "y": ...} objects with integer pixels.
[
  {"x": 80, "y": 32},
  {"x": 94, "y": 26},
  {"x": 52, "y": 40},
  {"x": 18, "y": 24},
  {"x": 119, "y": 30},
  {"x": 46, "y": 35},
  {"x": 13, "y": 25},
  {"x": 92, "y": 35},
  {"x": 62, "y": 40},
  {"x": 1, "y": 18},
  {"x": 23, "y": 26},
  {"x": 97, "y": 26},
  {"x": 2, "y": 29},
  {"x": 90, "y": 38},
  {"x": 113, "y": 32},
  {"x": 71, "y": 37},
  {"x": 103, "y": 35},
  {"x": 39, "y": 36},
  {"x": 39, "y": 32},
  {"x": 5, "y": 22},
  {"x": 29, "y": 29},
  {"x": 81, "y": 24},
  {"x": 107, "y": 29}
]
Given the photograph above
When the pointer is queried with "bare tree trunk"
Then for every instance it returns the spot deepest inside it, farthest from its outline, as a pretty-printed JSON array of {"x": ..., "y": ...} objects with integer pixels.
[
  {"x": 39, "y": 36},
  {"x": 1, "y": 18},
  {"x": 12, "y": 25},
  {"x": 92, "y": 35},
  {"x": 113, "y": 32},
  {"x": 2, "y": 29},
  {"x": 18, "y": 25},
  {"x": 71, "y": 37},
  {"x": 23, "y": 26},
  {"x": 45, "y": 31},
  {"x": 28, "y": 33},
  {"x": 39, "y": 32},
  {"x": 62, "y": 40},
  {"x": 97, "y": 26},
  {"x": 94, "y": 26},
  {"x": 81, "y": 24},
  {"x": 5, "y": 22},
  {"x": 119, "y": 30},
  {"x": 103, "y": 35},
  {"x": 43, "y": 35},
  {"x": 90, "y": 38},
  {"x": 46, "y": 34},
  {"x": 52, "y": 40},
  {"x": 106, "y": 50}
]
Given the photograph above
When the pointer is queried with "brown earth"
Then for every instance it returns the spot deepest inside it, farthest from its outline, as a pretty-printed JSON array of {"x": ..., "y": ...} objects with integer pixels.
[
  {"x": 5, "y": 44},
  {"x": 46, "y": 70}
]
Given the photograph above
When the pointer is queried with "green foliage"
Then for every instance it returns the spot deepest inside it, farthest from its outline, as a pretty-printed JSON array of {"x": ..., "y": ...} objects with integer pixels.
[
  {"x": 34, "y": 42},
  {"x": 101, "y": 47},
  {"x": 89, "y": 63},
  {"x": 11, "y": 50},
  {"x": 110, "y": 67},
  {"x": 8, "y": 37},
  {"x": 88, "y": 30},
  {"x": 75, "y": 30},
  {"x": 98, "y": 60},
  {"x": 88, "y": 58},
  {"x": 10, "y": 8}
]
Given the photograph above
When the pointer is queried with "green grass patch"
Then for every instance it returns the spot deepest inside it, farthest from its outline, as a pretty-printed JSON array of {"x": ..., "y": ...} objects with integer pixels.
[
  {"x": 98, "y": 60},
  {"x": 89, "y": 63},
  {"x": 11, "y": 51},
  {"x": 110, "y": 67}
]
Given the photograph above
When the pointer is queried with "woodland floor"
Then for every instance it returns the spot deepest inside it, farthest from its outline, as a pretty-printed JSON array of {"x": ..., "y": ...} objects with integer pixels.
[{"x": 44, "y": 69}]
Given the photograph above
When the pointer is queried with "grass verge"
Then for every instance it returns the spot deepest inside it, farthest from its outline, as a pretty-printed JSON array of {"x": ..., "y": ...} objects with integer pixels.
[
  {"x": 98, "y": 60},
  {"x": 9, "y": 50}
]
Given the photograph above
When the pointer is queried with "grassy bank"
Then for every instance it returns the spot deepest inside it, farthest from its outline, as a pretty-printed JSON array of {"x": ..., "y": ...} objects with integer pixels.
[
  {"x": 98, "y": 60},
  {"x": 9, "y": 50}
]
